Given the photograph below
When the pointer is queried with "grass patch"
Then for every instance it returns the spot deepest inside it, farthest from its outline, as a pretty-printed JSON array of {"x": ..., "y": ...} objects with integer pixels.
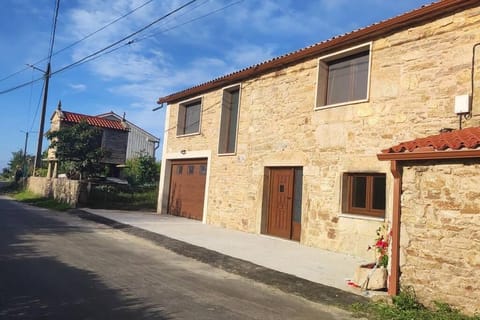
[
  {"x": 38, "y": 201},
  {"x": 406, "y": 307}
]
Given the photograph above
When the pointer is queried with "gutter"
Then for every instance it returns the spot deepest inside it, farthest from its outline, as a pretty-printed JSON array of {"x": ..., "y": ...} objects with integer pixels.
[{"x": 430, "y": 155}]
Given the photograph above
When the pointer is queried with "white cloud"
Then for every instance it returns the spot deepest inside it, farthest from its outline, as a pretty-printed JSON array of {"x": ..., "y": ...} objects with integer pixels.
[
  {"x": 250, "y": 54},
  {"x": 78, "y": 87}
]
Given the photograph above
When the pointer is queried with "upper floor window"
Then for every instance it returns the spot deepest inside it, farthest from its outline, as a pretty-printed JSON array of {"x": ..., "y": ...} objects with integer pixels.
[
  {"x": 364, "y": 194},
  {"x": 229, "y": 121},
  {"x": 344, "y": 77},
  {"x": 189, "y": 118}
]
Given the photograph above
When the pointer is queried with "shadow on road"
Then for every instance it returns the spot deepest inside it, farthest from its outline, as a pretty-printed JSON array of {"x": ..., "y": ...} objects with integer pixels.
[{"x": 34, "y": 285}]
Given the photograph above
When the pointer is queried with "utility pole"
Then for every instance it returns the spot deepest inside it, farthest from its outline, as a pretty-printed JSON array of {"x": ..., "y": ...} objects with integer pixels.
[
  {"x": 25, "y": 169},
  {"x": 38, "y": 156}
]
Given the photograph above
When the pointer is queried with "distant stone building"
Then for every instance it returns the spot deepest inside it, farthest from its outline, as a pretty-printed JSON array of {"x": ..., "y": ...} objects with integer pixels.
[{"x": 122, "y": 139}]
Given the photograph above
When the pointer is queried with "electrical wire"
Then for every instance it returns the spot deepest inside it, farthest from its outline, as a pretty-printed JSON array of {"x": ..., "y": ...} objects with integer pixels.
[
  {"x": 102, "y": 28},
  {"x": 156, "y": 33},
  {"x": 20, "y": 86},
  {"x": 38, "y": 107},
  {"x": 189, "y": 21},
  {"x": 54, "y": 29},
  {"x": 82, "y": 39},
  {"x": 105, "y": 50},
  {"x": 123, "y": 39},
  {"x": 88, "y": 57}
]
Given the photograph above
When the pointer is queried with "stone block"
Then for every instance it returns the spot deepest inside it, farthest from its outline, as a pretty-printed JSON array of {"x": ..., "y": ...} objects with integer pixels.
[{"x": 369, "y": 278}]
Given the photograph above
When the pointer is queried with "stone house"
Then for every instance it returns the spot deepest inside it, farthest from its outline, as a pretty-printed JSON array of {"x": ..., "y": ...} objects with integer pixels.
[
  {"x": 288, "y": 147},
  {"x": 114, "y": 138}
]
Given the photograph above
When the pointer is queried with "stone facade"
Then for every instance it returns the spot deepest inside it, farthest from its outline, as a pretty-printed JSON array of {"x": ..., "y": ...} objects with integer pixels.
[
  {"x": 414, "y": 76},
  {"x": 63, "y": 190},
  {"x": 440, "y": 232}
]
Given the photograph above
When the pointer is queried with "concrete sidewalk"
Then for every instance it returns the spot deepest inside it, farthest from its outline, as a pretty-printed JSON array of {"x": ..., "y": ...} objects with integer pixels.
[{"x": 327, "y": 269}]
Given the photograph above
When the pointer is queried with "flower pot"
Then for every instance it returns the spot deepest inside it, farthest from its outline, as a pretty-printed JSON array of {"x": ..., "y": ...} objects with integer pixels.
[{"x": 370, "y": 278}]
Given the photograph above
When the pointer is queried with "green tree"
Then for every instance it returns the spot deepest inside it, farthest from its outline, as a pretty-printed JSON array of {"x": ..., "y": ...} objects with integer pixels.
[
  {"x": 19, "y": 162},
  {"x": 142, "y": 170},
  {"x": 16, "y": 161},
  {"x": 78, "y": 147}
]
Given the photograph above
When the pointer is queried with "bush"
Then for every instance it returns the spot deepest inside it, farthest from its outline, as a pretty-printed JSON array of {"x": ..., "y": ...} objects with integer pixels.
[{"x": 142, "y": 170}]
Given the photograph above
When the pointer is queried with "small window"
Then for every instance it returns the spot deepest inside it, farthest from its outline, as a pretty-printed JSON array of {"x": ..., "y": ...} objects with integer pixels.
[
  {"x": 179, "y": 170},
  {"x": 191, "y": 170},
  {"x": 229, "y": 121},
  {"x": 189, "y": 118},
  {"x": 344, "y": 77},
  {"x": 203, "y": 170},
  {"x": 364, "y": 194}
]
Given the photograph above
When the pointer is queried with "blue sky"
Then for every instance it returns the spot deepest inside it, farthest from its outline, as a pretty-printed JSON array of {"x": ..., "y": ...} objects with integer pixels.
[{"x": 207, "y": 39}]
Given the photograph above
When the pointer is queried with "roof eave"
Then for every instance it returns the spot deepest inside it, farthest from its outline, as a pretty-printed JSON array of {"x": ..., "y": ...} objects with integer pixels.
[
  {"x": 422, "y": 14},
  {"x": 430, "y": 155}
]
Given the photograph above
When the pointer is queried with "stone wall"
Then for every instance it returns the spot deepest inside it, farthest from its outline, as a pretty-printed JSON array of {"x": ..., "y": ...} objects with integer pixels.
[
  {"x": 415, "y": 75},
  {"x": 63, "y": 190},
  {"x": 440, "y": 233}
]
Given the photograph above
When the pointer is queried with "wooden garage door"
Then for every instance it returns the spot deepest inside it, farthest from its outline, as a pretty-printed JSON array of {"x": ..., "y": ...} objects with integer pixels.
[{"x": 187, "y": 188}]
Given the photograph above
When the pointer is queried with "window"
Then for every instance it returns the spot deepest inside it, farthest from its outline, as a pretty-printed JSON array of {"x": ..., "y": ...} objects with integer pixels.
[
  {"x": 364, "y": 194},
  {"x": 229, "y": 121},
  {"x": 344, "y": 77},
  {"x": 179, "y": 170},
  {"x": 189, "y": 118}
]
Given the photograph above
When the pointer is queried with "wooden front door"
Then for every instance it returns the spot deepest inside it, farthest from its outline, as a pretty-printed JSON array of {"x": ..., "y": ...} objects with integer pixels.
[
  {"x": 281, "y": 202},
  {"x": 187, "y": 188},
  {"x": 285, "y": 202}
]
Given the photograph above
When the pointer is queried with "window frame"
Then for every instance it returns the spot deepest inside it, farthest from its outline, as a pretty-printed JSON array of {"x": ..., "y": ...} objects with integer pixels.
[
  {"x": 182, "y": 114},
  {"x": 323, "y": 72},
  {"x": 222, "y": 140},
  {"x": 347, "y": 195}
]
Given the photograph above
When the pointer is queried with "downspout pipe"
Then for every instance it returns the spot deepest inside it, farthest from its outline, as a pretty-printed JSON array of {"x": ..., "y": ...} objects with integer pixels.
[{"x": 394, "y": 277}]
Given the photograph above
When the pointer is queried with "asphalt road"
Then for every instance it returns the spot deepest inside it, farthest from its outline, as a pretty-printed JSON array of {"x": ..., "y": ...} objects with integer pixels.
[{"x": 57, "y": 266}]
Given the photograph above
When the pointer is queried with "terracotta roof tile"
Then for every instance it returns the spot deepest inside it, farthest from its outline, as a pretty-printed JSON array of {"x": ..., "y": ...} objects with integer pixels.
[
  {"x": 93, "y": 121},
  {"x": 423, "y": 13},
  {"x": 468, "y": 138}
]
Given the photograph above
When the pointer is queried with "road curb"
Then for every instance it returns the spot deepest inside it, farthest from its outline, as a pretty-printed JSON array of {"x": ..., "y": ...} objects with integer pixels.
[{"x": 309, "y": 290}]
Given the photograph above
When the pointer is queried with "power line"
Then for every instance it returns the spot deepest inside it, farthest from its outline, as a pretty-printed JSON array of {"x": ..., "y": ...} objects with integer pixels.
[
  {"x": 124, "y": 38},
  {"x": 189, "y": 21},
  {"x": 88, "y": 57},
  {"x": 20, "y": 86},
  {"x": 99, "y": 53},
  {"x": 82, "y": 39},
  {"x": 38, "y": 107},
  {"x": 155, "y": 33},
  {"x": 102, "y": 28},
  {"x": 54, "y": 29}
]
